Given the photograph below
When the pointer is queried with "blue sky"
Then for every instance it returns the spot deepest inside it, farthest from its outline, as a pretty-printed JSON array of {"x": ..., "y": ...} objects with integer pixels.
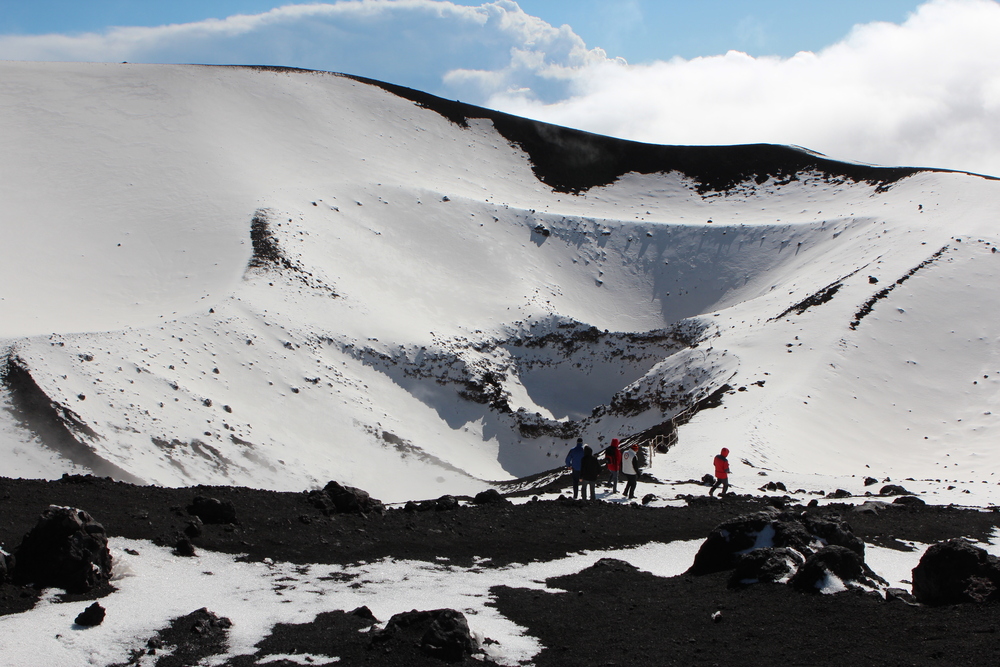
[
  {"x": 898, "y": 82},
  {"x": 638, "y": 30}
]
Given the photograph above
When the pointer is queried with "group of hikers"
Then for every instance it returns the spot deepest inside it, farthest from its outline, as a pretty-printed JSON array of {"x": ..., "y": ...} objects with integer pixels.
[{"x": 585, "y": 468}]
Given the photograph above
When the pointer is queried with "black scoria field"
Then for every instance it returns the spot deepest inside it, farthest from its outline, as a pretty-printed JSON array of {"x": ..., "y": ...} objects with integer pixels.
[{"x": 608, "y": 614}]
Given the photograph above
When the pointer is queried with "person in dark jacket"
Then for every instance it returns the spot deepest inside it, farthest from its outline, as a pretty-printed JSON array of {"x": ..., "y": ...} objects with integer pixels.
[
  {"x": 573, "y": 462},
  {"x": 613, "y": 459},
  {"x": 721, "y": 473},
  {"x": 590, "y": 468}
]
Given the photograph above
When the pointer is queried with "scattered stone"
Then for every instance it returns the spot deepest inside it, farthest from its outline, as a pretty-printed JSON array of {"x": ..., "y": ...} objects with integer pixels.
[
  {"x": 707, "y": 480},
  {"x": 956, "y": 571},
  {"x": 870, "y": 481},
  {"x": 211, "y": 510},
  {"x": 893, "y": 490},
  {"x": 184, "y": 547},
  {"x": 91, "y": 616},
  {"x": 66, "y": 549},
  {"x": 899, "y": 594},
  {"x": 648, "y": 498},
  {"x": 194, "y": 527},
  {"x": 774, "y": 486}
]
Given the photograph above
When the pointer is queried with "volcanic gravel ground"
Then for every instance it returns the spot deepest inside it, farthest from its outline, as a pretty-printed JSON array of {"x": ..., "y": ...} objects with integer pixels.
[{"x": 609, "y": 614}]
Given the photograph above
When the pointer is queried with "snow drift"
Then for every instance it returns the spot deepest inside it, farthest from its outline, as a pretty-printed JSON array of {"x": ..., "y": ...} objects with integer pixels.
[{"x": 275, "y": 278}]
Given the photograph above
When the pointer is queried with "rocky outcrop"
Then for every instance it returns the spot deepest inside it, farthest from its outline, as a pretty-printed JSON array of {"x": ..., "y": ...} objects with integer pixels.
[
  {"x": 779, "y": 547},
  {"x": 66, "y": 549}
]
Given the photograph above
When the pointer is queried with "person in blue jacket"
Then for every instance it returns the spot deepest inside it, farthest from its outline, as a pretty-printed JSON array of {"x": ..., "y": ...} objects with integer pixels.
[{"x": 574, "y": 461}]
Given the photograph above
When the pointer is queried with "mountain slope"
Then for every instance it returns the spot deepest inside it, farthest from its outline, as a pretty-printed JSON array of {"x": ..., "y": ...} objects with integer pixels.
[{"x": 274, "y": 278}]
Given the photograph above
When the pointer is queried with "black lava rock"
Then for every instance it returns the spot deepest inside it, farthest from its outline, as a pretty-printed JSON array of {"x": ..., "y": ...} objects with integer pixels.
[
  {"x": 91, "y": 616},
  {"x": 66, "y": 549},
  {"x": 349, "y": 499},
  {"x": 489, "y": 497},
  {"x": 441, "y": 633},
  {"x": 956, "y": 571}
]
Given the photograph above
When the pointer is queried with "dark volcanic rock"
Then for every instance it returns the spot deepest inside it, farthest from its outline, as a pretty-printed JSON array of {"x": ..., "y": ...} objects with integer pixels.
[
  {"x": 909, "y": 500},
  {"x": 489, "y": 496},
  {"x": 349, "y": 499},
  {"x": 765, "y": 565},
  {"x": 893, "y": 490},
  {"x": 442, "y": 633},
  {"x": 445, "y": 503},
  {"x": 92, "y": 615},
  {"x": 66, "y": 549},
  {"x": 211, "y": 510},
  {"x": 956, "y": 571},
  {"x": 845, "y": 564}
]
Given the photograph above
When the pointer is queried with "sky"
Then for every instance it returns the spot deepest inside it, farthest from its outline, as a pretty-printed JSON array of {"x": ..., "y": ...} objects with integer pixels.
[{"x": 887, "y": 82}]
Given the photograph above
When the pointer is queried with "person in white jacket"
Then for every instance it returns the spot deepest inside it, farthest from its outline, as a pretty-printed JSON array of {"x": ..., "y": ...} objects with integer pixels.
[{"x": 630, "y": 468}]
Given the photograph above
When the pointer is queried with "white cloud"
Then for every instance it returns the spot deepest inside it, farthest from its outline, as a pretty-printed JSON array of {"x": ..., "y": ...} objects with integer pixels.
[{"x": 924, "y": 93}]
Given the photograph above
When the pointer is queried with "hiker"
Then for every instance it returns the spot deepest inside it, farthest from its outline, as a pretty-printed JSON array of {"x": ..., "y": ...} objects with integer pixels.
[
  {"x": 721, "y": 473},
  {"x": 590, "y": 468},
  {"x": 573, "y": 461},
  {"x": 630, "y": 468},
  {"x": 613, "y": 460}
]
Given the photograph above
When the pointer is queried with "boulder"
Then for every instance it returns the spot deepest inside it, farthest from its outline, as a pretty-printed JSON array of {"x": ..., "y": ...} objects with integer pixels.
[
  {"x": 489, "y": 497},
  {"x": 348, "y": 499},
  {"x": 212, "y": 510},
  {"x": 956, "y": 571},
  {"x": 832, "y": 569},
  {"x": 731, "y": 540},
  {"x": 893, "y": 490},
  {"x": 91, "y": 616},
  {"x": 446, "y": 503},
  {"x": 66, "y": 549},
  {"x": 442, "y": 633},
  {"x": 910, "y": 501},
  {"x": 839, "y": 493}
]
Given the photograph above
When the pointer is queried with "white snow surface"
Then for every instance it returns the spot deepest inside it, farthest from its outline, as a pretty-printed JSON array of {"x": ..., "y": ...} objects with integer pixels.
[{"x": 126, "y": 292}]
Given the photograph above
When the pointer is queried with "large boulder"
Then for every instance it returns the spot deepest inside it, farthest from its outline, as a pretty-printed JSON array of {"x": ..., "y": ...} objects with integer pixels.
[
  {"x": 66, "y": 549},
  {"x": 730, "y": 540},
  {"x": 956, "y": 571},
  {"x": 349, "y": 499},
  {"x": 441, "y": 633}
]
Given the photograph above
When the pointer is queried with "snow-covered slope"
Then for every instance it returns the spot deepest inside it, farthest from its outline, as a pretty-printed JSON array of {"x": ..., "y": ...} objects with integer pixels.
[{"x": 274, "y": 278}]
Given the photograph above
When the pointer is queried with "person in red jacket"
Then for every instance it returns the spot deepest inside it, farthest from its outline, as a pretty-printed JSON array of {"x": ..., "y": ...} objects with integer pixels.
[
  {"x": 721, "y": 473},
  {"x": 613, "y": 459}
]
